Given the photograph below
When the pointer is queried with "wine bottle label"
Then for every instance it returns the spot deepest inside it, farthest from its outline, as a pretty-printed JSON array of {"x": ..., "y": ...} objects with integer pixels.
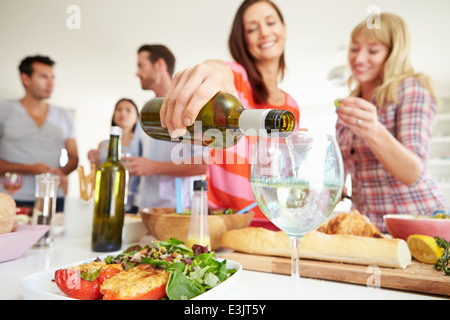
[{"x": 251, "y": 122}]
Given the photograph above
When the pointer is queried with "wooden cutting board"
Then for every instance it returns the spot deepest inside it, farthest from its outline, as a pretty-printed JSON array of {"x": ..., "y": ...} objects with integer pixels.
[{"x": 417, "y": 277}]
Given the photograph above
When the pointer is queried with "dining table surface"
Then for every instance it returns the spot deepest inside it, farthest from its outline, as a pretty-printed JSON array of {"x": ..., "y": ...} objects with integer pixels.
[{"x": 251, "y": 285}]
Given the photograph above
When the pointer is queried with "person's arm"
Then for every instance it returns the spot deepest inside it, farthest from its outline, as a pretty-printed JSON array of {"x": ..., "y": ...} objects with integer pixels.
[
  {"x": 72, "y": 154},
  {"x": 190, "y": 90},
  {"x": 71, "y": 165},
  {"x": 34, "y": 168},
  {"x": 403, "y": 163},
  {"x": 94, "y": 155},
  {"x": 400, "y": 161},
  {"x": 140, "y": 166}
]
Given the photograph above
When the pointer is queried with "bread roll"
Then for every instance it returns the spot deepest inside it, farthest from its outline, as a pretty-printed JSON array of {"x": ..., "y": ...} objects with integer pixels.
[
  {"x": 7, "y": 213},
  {"x": 350, "y": 223},
  {"x": 320, "y": 246}
]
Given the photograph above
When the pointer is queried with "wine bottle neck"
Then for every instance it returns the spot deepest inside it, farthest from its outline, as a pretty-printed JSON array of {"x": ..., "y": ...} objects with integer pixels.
[
  {"x": 280, "y": 120},
  {"x": 114, "y": 148},
  {"x": 255, "y": 122}
]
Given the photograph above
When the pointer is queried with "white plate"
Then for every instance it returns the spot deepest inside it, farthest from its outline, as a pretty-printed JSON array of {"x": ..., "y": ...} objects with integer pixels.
[
  {"x": 40, "y": 285},
  {"x": 220, "y": 291}
]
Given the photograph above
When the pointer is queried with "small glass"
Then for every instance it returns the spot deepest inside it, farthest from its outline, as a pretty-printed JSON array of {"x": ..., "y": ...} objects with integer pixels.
[
  {"x": 45, "y": 205},
  {"x": 12, "y": 182}
]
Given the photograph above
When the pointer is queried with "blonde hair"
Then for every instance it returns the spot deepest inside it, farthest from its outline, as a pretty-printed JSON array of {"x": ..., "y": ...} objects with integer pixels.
[{"x": 393, "y": 33}]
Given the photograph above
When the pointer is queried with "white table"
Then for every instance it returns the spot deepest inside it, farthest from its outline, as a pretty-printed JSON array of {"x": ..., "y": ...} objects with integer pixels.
[{"x": 251, "y": 286}]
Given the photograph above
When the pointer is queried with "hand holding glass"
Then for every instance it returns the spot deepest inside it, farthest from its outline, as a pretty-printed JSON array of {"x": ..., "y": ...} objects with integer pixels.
[{"x": 297, "y": 179}]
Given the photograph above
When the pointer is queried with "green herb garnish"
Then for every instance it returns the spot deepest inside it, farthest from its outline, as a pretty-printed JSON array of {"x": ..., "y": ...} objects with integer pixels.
[
  {"x": 442, "y": 263},
  {"x": 90, "y": 275}
]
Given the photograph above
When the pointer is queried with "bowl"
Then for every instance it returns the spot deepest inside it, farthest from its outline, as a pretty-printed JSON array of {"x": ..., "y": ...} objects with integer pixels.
[
  {"x": 15, "y": 244},
  {"x": 402, "y": 225},
  {"x": 133, "y": 228},
  {"x": 163, "y": 224}
]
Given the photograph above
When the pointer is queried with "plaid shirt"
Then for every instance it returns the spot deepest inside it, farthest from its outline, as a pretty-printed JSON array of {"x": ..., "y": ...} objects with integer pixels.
[{"x": 375, "y": 192}]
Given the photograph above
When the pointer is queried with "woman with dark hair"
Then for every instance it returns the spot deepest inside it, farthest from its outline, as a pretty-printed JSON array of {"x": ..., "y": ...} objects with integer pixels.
[
  {"x": 256, "y": 42},
  {"x": 241, "y": 37},
  {"x": 125, "y": 116}
]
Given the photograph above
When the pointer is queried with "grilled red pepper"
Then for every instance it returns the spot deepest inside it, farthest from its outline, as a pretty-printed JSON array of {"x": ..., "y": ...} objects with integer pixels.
[
  {"x": 83, "y": 282},
  {"x": 70, "y": 282}
]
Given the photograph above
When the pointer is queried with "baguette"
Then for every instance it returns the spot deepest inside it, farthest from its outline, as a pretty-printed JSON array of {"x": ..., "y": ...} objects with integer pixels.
[
  {"x": 381, "y": 252},
  {"x": 257, "y": 241},
  {"x": 316, "y": 245}
]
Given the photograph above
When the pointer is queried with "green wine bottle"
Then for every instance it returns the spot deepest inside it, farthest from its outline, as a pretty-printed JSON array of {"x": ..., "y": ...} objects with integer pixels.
[
  {"x": 220, "y": 124},
  {"x": 110, "y": 195}
]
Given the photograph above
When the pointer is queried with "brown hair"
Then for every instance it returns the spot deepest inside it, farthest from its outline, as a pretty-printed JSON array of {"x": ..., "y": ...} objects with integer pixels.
[
  {"x": 240, "y": 53},
  {"x": 26, "y": 65},
  {"x": 157, "y": 51}
]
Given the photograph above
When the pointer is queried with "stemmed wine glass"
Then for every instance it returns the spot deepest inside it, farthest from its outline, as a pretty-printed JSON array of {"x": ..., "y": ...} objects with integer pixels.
[
  {"x": 297, "y": 179},
  {"x": 12, "y": 182}
]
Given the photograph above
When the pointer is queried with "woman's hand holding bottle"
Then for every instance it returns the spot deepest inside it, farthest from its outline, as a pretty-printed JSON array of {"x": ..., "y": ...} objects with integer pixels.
[{"x": 190, "y": 90}]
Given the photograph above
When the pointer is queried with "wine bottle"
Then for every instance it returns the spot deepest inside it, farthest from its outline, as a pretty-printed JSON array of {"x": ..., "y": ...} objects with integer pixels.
[
  {"x": 110, "y": 196},
  {"x": 220, "y": 124},
  {"x": 198, "y": 228}
]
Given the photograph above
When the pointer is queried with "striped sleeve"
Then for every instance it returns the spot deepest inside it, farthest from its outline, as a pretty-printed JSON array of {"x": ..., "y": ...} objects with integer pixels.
[
  {"x": 242, "y": 84},
  {"x": 415, "y": 116},
  {"x": 229, "y": 170}
]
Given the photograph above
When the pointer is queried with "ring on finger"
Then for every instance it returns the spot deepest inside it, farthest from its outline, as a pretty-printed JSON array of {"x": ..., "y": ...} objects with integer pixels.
[{"x": 359, "y": 121}]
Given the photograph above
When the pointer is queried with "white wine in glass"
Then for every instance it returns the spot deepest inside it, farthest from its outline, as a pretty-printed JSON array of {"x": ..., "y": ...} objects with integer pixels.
[{"x": 297, "y": 179}]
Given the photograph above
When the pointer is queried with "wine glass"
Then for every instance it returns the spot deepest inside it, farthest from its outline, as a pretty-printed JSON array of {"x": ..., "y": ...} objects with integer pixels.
[
  {"x": 297, "y": 179},
  {"x": 12, "y": 182}
]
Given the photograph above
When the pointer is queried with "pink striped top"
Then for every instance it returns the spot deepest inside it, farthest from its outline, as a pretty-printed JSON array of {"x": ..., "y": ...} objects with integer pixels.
[{"x": 229, "y": 175}]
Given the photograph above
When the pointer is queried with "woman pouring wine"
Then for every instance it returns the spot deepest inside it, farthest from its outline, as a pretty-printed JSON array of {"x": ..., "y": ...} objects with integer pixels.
[{"x": 256, "y": 43}]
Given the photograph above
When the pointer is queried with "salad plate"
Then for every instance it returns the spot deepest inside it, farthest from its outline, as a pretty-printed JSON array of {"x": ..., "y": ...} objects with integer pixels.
[{"x": 40, "y": 285}]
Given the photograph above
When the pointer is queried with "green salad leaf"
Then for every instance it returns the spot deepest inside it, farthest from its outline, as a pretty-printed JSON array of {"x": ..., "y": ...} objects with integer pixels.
[
  {"x": 180, "y": 287},
  {"x": 204, "y": 273},
  {"x": 192, "y": 272}
]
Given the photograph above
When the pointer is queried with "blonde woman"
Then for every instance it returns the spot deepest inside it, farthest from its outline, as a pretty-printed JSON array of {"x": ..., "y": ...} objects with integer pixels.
[{"x": 384, "y": 127}]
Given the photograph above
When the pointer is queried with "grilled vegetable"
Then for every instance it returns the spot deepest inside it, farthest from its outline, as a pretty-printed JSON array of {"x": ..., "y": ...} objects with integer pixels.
[
  {"x": 84, "y": 281},
  {"x": 142, "y": 282}
]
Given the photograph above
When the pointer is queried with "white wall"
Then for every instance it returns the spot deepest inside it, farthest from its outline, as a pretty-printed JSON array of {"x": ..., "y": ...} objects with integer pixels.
[{"x": 96, "y": 64}]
